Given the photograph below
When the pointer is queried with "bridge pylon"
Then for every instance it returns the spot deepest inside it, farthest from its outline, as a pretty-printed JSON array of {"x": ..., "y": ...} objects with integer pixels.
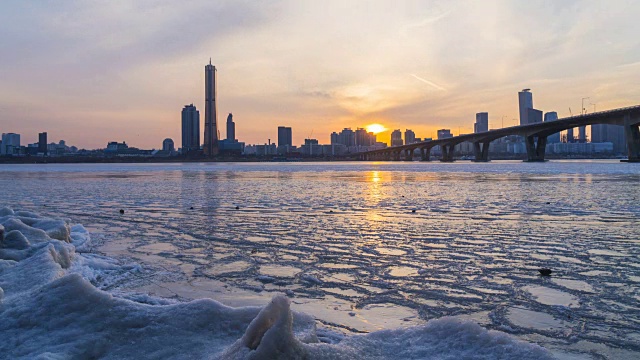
[
  {"x": 481, "y": 151},
  {"x": 632, "y": 133},
  {"x": 535, "y": 149},
  {"x": 447, "y": 153},
  {"x": 408, "y": 155},
  {"x": 425, "y": 154}
]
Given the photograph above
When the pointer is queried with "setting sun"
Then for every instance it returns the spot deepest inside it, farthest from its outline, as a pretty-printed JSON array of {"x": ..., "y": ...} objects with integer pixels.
[{"x": 376, "y": 128}]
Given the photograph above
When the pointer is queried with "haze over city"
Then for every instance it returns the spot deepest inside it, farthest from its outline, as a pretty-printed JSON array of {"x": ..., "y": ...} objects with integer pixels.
[{"x": 91, "y": 73}]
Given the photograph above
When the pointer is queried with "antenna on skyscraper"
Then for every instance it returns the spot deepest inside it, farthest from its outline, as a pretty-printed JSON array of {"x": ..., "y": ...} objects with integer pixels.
[{"x": 209, "y": 61}]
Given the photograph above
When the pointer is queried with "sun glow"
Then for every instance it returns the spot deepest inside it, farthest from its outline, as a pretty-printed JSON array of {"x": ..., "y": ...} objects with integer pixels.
[{"x": 376, "y": 128}]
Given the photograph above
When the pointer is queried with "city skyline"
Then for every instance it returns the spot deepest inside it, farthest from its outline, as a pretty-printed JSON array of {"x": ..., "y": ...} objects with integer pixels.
[{"x": 421, "y": 65}]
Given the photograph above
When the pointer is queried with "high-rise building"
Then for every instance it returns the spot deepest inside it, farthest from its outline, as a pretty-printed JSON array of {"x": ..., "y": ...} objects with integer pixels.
[
  {"x": 334, "y": 138},
  {"x": 601, "y": 133},
  {"x": 409, "y": 136},
  {"x": 231, "y": 128},
  {"x": 396, "y": 138},
  {"x": 444, "y": 134},
  {"x": 364, "y": 138},
  {"x": 190, "y": 129},
  {"x": 10, "y": 143},
  {"x": 482, "y": 122},
  {"x": 347, "y": 137},
  {"x": 582, "y": 134},
  {"x": 534, "y": 116},
  {"x": 570, "y": 137},
  {"x": 167, "y": 145},
  {"x": 42, "y": 143},
  {"x": 552, "y": 116},
  {"x": 284, "y": 136},
  {"x": 525, "y": 101},
  {"x": 210, "y": 111}
]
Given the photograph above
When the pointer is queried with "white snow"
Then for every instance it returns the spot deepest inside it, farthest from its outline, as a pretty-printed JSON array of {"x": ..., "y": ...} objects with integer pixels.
[{"x": 51, "y": 307}]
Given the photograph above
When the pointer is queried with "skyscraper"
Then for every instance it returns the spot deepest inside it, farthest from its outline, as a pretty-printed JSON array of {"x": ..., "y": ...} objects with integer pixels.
[
  {"x": 334, "y": 138},
  {"x": 444, "y": 134},
  {"x": 609, "y": 133},
  {"x": 525, "y": 100},
  {"x": 190, "y": 129},
  {"x": 409, "y": 136},
  {"x": 167, "y": 145},
  {"x": 284, "y": 136},
  {"x": 482, "y": 122},
  {"x": 210, "y": 111},
  {"x": 10, "y": 143},
  {"x": 231, "y": 128},
  {"x": 582, "y": 134},
  {"x": 396, "y": 138},
  {"x": 42, "y": 143},
  {"x": 552, "y": 116},
  {"x": 570, "y": 137},
  {"x": 534, "y": 116}
]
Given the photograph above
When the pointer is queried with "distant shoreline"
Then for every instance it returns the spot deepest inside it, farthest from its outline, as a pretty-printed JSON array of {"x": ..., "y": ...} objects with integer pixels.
[{"x": 149, "y": 160}]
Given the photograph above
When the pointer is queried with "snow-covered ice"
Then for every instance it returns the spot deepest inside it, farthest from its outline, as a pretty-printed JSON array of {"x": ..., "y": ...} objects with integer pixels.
[{"x": 52, "y": 307}]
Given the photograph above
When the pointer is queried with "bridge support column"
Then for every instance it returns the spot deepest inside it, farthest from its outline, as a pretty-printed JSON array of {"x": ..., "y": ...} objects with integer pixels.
[
  {"x": 535, "y": 149},
  {"x": 408, "y": 155},
  {"x": 396, "y": 155},
  {"x": 481, "y": 151},
  {"x": 387, "y": 156},
  {"x": 632, "y": 133},
  {"x": 425, "y": 154},
  {"x": 447, "y": 153}
]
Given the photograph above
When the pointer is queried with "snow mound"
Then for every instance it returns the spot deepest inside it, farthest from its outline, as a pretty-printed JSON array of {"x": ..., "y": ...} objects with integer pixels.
[{"x": 51, "y": 308}]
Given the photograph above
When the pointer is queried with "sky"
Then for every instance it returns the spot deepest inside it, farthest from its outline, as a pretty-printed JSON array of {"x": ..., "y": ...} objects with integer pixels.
[{"x": 99, "y": 71}]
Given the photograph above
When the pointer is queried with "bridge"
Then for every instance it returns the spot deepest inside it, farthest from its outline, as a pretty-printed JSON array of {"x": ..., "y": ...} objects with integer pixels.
[{"x": 535, "y": 136}]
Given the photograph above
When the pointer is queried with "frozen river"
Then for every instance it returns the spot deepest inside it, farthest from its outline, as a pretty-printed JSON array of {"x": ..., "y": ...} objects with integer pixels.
[{"x": 368, "y": 246}]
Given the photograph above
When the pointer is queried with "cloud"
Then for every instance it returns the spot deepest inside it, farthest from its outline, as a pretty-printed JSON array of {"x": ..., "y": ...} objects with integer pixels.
[{"x": 113, "y": 68}]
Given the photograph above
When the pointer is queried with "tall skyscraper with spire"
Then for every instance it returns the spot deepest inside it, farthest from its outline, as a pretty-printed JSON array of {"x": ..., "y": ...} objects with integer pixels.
[{"x": 210, "y": 111}]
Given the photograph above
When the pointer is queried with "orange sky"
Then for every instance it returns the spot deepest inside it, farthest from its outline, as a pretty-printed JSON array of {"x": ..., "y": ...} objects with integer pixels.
[{"x": 90, "y": 73}]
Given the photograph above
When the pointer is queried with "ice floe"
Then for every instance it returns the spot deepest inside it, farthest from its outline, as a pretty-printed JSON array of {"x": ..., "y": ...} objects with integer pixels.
[{"x": 52, "y": 305}]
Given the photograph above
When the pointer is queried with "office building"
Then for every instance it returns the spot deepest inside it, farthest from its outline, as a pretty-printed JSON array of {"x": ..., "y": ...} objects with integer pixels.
[
  {"x": 444, "y": 134},
  {"x": 231, "y": 128},
  {"x": 525, "y": 101},
  {"x": 534, "y": 116},
  {"x": 285, "y": 137},
  {"x": 10, "y": 144},
  {"x": 409, "y": 136},
  {"x": 552, "y": 116},
  {"x": 482, "y": 122},
  {"x": 603, "y": 133},
  {"x": 167, "y": 145},
  {"x": 190, "y": 129},
  {"x": 396, "y": 138},
  {"x": 210, "y": 111},
  {"x": 42, "y": 143}
]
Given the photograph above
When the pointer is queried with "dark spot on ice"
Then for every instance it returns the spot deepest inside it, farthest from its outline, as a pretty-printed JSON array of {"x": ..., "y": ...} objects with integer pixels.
[
  {"x": 121, "y": 211},
  {"x": 414, "y": 210},
  {"x": 548, "y": 203},
  {"x": 237, "y": 207},
  {"x": 254, "y": 250},
  {"x": 330, "y": 211},
  {"x": 191, "y": 208},
  {"x": 545, "y": 272}
]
